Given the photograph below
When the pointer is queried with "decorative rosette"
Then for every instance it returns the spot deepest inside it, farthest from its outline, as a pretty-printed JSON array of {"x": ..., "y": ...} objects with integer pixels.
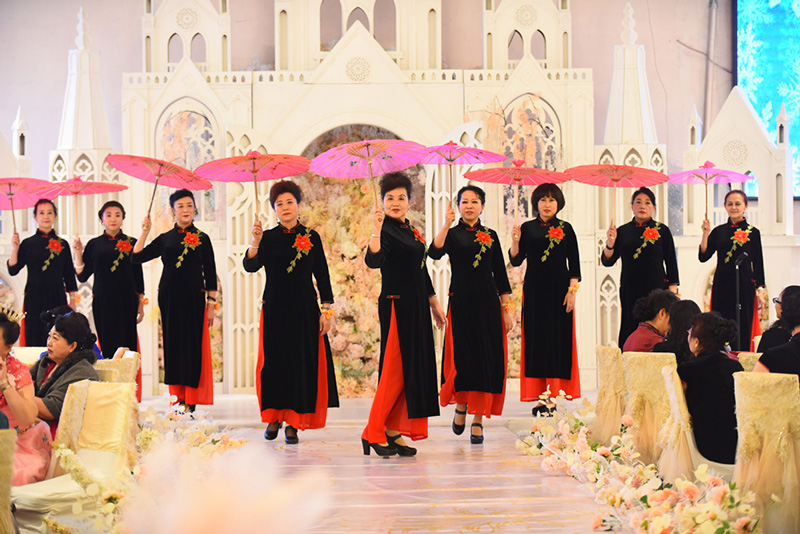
[
  {"x": 650, "y": 235},
  {"x": 124, "y": 246},
  {"x": 190, "y": 241},
  {"x": 555, "y": 234},
  {"x": 302, "y": 244},
  {"x": 739, "y": 238},
  {"x": 418, "y": 237},
  {"x": 485, "y": 239},
  {"x": 54, "y": 246}
]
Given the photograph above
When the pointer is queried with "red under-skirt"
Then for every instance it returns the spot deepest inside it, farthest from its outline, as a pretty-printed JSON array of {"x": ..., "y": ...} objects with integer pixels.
[
  {"x": 204, "y": 392},
  {"x": 300, "y": 421},
  {"x": 531, "y": 388},
  {"x": 478, "y": 402},
  {"x": 22, "y": 329},
  {"x": 389, "y": 409},
  {"x": 755, "y": 330}
]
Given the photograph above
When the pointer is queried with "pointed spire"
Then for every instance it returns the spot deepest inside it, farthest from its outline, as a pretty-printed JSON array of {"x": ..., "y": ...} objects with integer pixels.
[
  {"x": 19, "y": 123},
  {"x": 783, "y": 117},
  {"x": 628, "y": 34},
  {"x": 81, "y": 40}
]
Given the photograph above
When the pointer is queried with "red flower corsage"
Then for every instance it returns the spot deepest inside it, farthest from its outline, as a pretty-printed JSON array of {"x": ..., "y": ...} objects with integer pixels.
[
  {"x": 418, "y": 237},
  {"x": 190, "y": 241},
  {"x": 739, "y": 238},
  {"x": 650, "y": 235},
  {"x": 485, "y": 240},
  {"x": 54, "y": 246},
  {"x": 124, "y": 246},
  {"x": 302, "y": 244},
  {"x": 555, "y": 234}
]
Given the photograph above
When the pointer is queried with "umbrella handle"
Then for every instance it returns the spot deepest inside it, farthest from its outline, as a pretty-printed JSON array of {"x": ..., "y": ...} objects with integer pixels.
[
  {"x": 614, "y": 205},
  {"x": 452, "y": 189},
  {"x": 516, "y": 204},
  {"x": 706, "y": 200},
  {"x": 13, "y": 215},
  {"x": 255, "y": 184},
  {"x": 153, "y": 196},
  {"x": 372, "y": 178},
  {"x": 77, "y": 227}
]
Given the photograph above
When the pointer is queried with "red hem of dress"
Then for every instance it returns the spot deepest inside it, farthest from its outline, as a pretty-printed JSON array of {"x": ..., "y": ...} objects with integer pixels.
[{"x": 204, "y": 392}]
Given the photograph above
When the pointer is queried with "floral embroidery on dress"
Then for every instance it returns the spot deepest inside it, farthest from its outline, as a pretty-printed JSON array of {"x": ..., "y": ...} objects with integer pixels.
[
  {"x": 190, "y": 241},
  {"x": 650, "y": 235},
  {"x": 54, "y": 246},
  {"x": 124, "y": 246},
  {"x": 418, "y": 237},
  {"x": 555, "y": 234},
  {"x": 739, "y": 238},
  {"x": 485, "y": 240},
  {"x": 302, "y": 244}
]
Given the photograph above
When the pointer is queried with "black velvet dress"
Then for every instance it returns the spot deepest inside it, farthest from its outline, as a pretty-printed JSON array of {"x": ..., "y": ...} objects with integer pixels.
[
  {"x": 475, "y": 342},
  {"x": 549, "y": 352},
  {"x": 117, "y": 285},
  {"x": 289, "y": 359},
  {"x": 647, "y": 264},
  {"x": 186, "y": 276},
  {"x": 729, "y": 241},
  {"x": 407, "y": 285},
  {"x": 51, "y": 274}
]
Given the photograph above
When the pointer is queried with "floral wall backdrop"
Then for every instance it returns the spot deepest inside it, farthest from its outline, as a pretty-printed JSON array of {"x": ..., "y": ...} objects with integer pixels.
[{"x": 341, "y": 211}]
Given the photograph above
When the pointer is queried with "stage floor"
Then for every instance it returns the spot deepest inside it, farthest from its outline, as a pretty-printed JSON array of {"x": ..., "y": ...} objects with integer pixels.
[{"x": 450, "y": 486}]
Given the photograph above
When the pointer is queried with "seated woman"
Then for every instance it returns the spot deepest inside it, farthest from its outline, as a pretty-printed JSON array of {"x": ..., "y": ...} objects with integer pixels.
[
  {"x": 708, "y": 382},
  {"x": 652, "y": 312},
  {"x": 785, "y": 358},
  {"x": 780, "y": 332},
  {"x": 69, "y": 359},
  {"x": 681, "y": 315},
  {"x": 32, "y": 449}
]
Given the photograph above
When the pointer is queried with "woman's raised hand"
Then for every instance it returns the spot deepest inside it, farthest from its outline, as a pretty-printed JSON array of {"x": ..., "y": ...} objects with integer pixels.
[
  {"x": 450, "y": 216},
  {"x": 516, "y": 233},
  {"x": 706, "y": 226},
  {"x": 15, "y": 241},
  {"x": 377, "y": 220},
  {"x": 77, "y": 246},
  {"x": 147, "y": 224},
  {"x": 257, "y": 233},
  {"x": 611, "y": 236}
]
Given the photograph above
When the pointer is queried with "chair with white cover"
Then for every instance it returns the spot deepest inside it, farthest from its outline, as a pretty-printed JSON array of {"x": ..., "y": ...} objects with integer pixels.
[
  {"x": 28, "y": 355},
  {"x": 611, "y": 395},
  {"x": 768, "y": 450},
  {"x": 756, "y": 342},
  {"x": 680, "y": 457},
  {"x": 647, "y": 399},
  {"x": 128, "y": 367},
  {"x": 108, "y": 375},
  {"x": 748, "y": 360},
  {"x": 7, "y": 439},
  {"x": 99, "y": 423}
]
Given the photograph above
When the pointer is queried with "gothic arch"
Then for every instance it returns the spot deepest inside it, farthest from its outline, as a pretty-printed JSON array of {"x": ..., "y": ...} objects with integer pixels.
[
  {"x": 385, "y": 18},
  {"x": 330, "y": 23},
  {"x": 175, "y": 48},
  {"x": 199, "y": 52},
  {"x": 358, "y": 14},
  {"x": 633, "y": 158}
]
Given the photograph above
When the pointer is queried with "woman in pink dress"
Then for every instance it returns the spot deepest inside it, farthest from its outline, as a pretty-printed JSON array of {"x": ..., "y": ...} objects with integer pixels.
[{"x": 32, "y": 449}]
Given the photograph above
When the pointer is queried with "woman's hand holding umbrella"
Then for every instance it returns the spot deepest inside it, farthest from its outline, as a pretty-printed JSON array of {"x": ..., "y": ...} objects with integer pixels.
[
  {"x": 147, "y": 224},
  {"x": 77, "y": 246},
  {"x": 377, "y": 226},
  {"x": 611, "y": 240},
  {"x": 516, "y": 233},
  {"x": 257, "y": 232}
]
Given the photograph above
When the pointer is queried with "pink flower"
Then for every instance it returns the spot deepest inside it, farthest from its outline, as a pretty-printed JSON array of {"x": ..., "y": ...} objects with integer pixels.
[
  {"x": 714, "y": 482},
  {"x": 627, "y": 420},
  {"x": 604, "y": 451},
  {"x": 597, "y": 522},
  {"x": 743, "y": 524},
  {"x": 691, "y": 492},
  {"x": 717, "y": 494},
  {"x": 535, "y": 428}
]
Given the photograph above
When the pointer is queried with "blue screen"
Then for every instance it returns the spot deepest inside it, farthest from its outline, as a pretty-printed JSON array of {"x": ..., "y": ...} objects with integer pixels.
[{"x": 768, "y": 67}]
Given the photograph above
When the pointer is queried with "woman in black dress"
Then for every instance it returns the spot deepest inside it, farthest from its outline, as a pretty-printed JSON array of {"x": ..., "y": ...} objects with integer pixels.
[
  {"x": 187, "y": 295},
  {"x": 51, "y": 274},
  {"x": 648, "y": 257},
  {"x": 549, "y": 357},
  {"x": 407, "y": 386},
  {"x": 730, "y": 241},
  {"x": 475, "y": 350},
  {"x": 781, "y": 331},
  {"x": 295, "y": 379},
  {"x": 118, "y": 288}
]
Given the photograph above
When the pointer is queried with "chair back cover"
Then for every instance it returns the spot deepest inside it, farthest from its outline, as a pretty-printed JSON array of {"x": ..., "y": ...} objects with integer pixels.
[
  {"x": 7, "y": 439},
  {"x": 748, "y": 360},
  {"x": 107, "y": 375},
  {"x": 127, "y": 366},
  {"x": 611, "y": 396},
  {"x": 28, "y": 355}
]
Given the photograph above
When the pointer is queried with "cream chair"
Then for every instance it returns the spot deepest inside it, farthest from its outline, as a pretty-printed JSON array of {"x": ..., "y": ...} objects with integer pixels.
[
  {"x": 647, "y": 399},
  {"x": 108, "y": 375},
  {"x": 7, "y": 440},
  {"x": 756, "y": 342},
  {"x": 768, "y": 450},
  {"x": 680, "y": 457},
  {"x": 28, "y": 355},
  {"x": 748, "y": 360},
  {"x": 99, "y": 423},
  {"x": 611, "y": 396},
  {"x": 127, "y": 366}
]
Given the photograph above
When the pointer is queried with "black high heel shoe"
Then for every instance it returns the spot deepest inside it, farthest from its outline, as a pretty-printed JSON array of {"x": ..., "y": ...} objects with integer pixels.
[
  {"x": 476, "y": 440},
  {"x": 459, "y": 429},
  {"x": 402, "y": 450},
  {"x": 379, "y": 449},
  {"x": 543, "y": 410},
  {"x": 269, "y": 435},
  {"x": 291, "y": 439}
]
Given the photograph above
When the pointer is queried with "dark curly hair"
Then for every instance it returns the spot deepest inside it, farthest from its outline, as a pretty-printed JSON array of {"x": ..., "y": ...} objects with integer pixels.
[
  {"x": 110, "y": 204},
  {"x": 713, "y": 332},
  {"x": 286, "y": 186},
  {"x": 547, "y": 190},
  {"x": 790, "y": 308},
  {"x": 395, "y": 180},
  {"x": 10, "y": 329},
  {"x": 74, "y": 328},
  {"x": 646, "y": 308}
]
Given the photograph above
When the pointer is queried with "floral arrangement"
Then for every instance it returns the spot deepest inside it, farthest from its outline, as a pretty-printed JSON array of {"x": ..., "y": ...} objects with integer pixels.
[
  {"x": 190, "y": 241},
  {"x": 739, "y": 238},
  {"x": 485, "y": 240},
  {"x": 124, "y": 246},
  {"x": 54, "y": 246},
  {"x": 640, "y": 500},
  {"x": 302, "y": 244},
  {"x": 555, "y": 235},
  {"x": 650, "y": 235}
]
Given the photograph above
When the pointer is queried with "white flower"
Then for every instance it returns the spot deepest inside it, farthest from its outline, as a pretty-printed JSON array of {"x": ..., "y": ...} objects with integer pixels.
[
  {"x": 92, "y": 490},
  {"x": 701, "y": 473},
  {"x": 77, "y": 508}
]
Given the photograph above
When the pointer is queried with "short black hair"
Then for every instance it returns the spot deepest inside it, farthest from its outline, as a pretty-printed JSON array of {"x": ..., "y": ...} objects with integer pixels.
[
  {"x": 179, "y": 194},
  {"x": 646, "y": 308},
  {"x": 44, "y": 201},
  {"x": 735, "y": 192},
  {"x": 285, "y": 186},
  {"x": 547, "y": 190},
  {"x": 74, "y": 328},
  {"x": 110, "y": 204},
  {"x": 790, "y": 306},
  {"x": 10, "y": 329},
  {"x": 713, "y": 332},
  {"x": 395, "y": 180},
  {"x": 644, "y": 191},
  {"x": 475, "y": 189}
]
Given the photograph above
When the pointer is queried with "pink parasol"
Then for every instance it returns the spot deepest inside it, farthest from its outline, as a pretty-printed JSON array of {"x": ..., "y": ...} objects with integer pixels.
[
  {"x": 706, "y": 174},
  {"x": 157, "y": 171},
  {"x": 24, "y": 192},
  {"x": 452, "y": 153},
  {"x": 76, "y": 186},
  {"x": 365, "y": 159},
  {"x": 616, "y": 176},
  {"x": 517, "y": 175},
  {"x": 253, "y": 166}
]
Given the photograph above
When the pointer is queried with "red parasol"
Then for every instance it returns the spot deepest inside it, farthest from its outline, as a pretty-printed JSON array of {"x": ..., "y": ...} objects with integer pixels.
[
  {"x": 24, "y": 192},
  {"x": 253, "y": 166},
  {"x": 517, "y": 175},
  {"x": 452, "y": 153},
  {"x": 157, "y": 171},
  {"x": 706, "y": 174},
  {"x": 616, "y": 176},
  {"x": 76, "y": 186},
  {"x": 365, "y": 159}
]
